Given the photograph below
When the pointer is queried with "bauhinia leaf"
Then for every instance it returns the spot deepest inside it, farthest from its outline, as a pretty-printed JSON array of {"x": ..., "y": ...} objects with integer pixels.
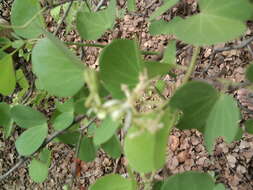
[
  {"x": 91, "y": 25},
  {"x": 38, "y": 171},
  {"x": 196, "y": 100},
  {"x": 7, "y": 75},
  {"x": 112, "y": 147},
  {"x": 5, "y": 119},
  {"x": 105, "y": 131},
  {"x": 30, "y": 140},
  {"x": 223, "y": 120},
  {"x": 87, "y": 150},
  {"x": 166, "y": 5},
  {"x": 27, "y": 117},
  {"x": 21, "y": 13},
  {"x": 112, "y": 182},
  {"x": 120, "y": 63},
  {"x": 59, "y": 71},
  {"x": 249, "y": 73},
  {"x": 189, "y": 180},
  {"x": 217, "y": 22}
]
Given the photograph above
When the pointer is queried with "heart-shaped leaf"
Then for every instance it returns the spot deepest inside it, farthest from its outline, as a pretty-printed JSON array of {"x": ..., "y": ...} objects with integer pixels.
[
  {"x": 59, "y": 71},
  {"x": 30, "y": 140},
  {"x": 112, "y": 182},
  {"x": 7, "y": 75},
  {"x": 223, "y": 120},
  {"x": 196, "y": 100},
  {"x": 27, "y": 117},
  {"x": 120, "y": 63},
  {"x": 218, "y": 21},
  {"x": 27, "y": 12},
  {"x": 91, "y": 25},
  {"x": 189, "y": 180},
  {"x": 38, "y": 171}
]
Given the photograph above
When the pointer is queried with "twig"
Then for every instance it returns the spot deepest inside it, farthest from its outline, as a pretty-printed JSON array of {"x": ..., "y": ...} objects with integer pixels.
[
  {"x": 63, "y": 18},
  {"x": 192, "y": 65},
  {"x": 243, "y": 44},
  {"x": 59, "y": 4},
  {"x": 48, "y": 140},
  {"x": 101, "y": 2}
]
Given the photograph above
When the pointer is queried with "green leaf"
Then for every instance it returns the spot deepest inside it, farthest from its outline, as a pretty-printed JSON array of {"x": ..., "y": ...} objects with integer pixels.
[
  {"x": 156, "y": 68},
  {"x": 196, "y": 100},
  {"x": 5, "y": 119},
  {"x": 45, "y": 156},
  {"x": 30, "y": 140},
  {"x": 7, "y": 76},
  {"x": 70, "y": 137},
  {"x": 106, "y": 130},
  {"x": 112, "y": 147},
  {"x": 169, "y": 55},
  {"x": 67, "y": 106},
  {"x": 223, "y": 120},
  {"x": 27, "y": 117},
  {"x": 112, "y": 182},
  {"x": 87, "y": 151},
  {"x": 120, "y": 63},
  {"x": 146, "y": 150},
  {"x": 59, "y": 71},
  {"x": 166, "y": 5},
  {"x": 160, "y": 86},
  {"x": 219, "y": 186},
  {"x": 38, "y": 171},
  {"x": 131, "y": 5},
  {"x": 63, "y": 120},
  {"x": 91, "y": 25},
  {"x": 189, "y": 180},
  {"x": 158, "y": 27},
  {"x": 21, "y": 80},
  {"x": 217, "y": 22},
  {"x": 249, "y": 126},
  {"x": 249, "y": 73},
  {"x": 22, "y": 12}
]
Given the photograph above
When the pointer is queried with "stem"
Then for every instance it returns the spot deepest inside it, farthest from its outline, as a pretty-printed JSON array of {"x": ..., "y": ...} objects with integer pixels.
[
  {"x": 85, "y": 45},
  {"x": 192, "y": 65}
]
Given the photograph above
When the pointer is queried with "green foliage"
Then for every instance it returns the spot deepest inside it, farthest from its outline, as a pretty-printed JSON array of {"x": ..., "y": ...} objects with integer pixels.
[
  {"x": 112, "y": 147},
  {"x": 196, "y": 100},
  {"x": 169, "y": 55},
  {"x": 38, "y": 171},
  {"x": 88, "y": 150},
  {"x": 249, "y": 73},
  {"x": 5, "y": 119},
  {"x": 7, "y": 75},
  {"x": 167, "y": 5},
  {"x": 249, "y": 126},
  {"x": 156, "y": 68},
  {"x": 105, "y": 131},
  {"x": 118, "y": 67},
  {"x": 212, "y": 25},
  {"x": 223, "y": 120},
  {"x": 30, "y": 140},
  {"x": 27, "y": 117},
  {"x": 112, "y": 182},
  {"x": 21, "y": 14},
  {"x": 191, "y": 179},
  {"x": 131, "y": 5},
  {"x": 60, "y": 68},
  {"x": 91, "y": 25}
]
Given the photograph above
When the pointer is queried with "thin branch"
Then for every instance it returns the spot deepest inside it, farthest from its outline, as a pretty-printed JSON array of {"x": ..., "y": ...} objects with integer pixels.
[
  {"x": 243, "y": 44},
  {"x": 99, "y": 5},
  {"x": 63, "y": 18},
  {"x": 48, "y": 140},
  {"x": 60, "y": 3},
  {"x": 191, "y": 67}
]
